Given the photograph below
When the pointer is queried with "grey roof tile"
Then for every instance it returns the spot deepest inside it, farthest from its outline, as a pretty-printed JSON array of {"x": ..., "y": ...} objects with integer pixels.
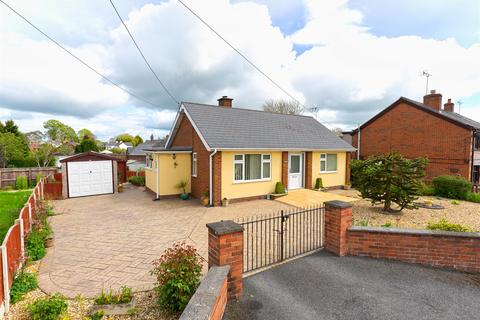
[{"x": 235, "y": 128}]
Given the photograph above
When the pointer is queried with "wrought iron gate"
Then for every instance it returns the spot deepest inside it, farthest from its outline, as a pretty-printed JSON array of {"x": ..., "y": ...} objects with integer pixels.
[{"x": 273, "y": 238}]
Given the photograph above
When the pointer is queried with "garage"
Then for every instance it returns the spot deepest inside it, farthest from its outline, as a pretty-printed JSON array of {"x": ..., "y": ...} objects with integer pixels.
[{"x": 89, "y": 174}]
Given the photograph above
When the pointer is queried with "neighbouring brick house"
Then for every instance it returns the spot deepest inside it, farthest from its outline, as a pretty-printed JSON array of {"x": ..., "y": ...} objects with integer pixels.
[
  {"x": 239, "y": 153},
  {"x": 449, "y": 140}
]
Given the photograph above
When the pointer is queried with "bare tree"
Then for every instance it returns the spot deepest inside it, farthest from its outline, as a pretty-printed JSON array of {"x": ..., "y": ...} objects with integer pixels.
[
  {"x": 338, "y": 131},
  {"x": 282, "y": 106}
]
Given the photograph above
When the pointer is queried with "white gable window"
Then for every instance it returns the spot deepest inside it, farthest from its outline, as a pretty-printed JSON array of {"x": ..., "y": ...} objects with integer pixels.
[
  {"x": 328, "y": 162},
  {"x": 251, "y": 167},
  {"x": 148, "y": 161},
  {"x": 194, "y": 164}
]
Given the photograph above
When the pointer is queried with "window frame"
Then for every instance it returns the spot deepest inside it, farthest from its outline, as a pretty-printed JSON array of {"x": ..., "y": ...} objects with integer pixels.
[
  {"x": 194, "y": 164},
  {"x": 262, "y": 162},
  {"x": 149, "y": 162},
  {"x": 326, "y": 162}
]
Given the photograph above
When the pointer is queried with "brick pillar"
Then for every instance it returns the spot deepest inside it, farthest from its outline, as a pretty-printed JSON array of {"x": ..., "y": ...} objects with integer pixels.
[
  {"x": 308, "y": 170},
  {"x": 225, "y": 247},
  {"x": 338, "y": 218},
  {"x": 285, "y": 168},
  {"x": 347, "y": 175},
  {"x": 217, "y": 179}
]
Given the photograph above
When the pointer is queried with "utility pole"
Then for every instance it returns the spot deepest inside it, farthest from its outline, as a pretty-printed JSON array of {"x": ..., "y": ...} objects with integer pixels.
[
  {"x": 459, "y": 102},
  {"x": 427, "y": 75}
]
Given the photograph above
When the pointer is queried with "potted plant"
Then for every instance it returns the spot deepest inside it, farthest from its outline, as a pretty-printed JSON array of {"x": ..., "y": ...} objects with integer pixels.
[
  {"x": 318, "y": 184},
  {"x": 280, "y": 191},
  {"x": 224, "y": 202},
  {"x": 182, "y": 184},
  {"x": 205, "y": 199}
]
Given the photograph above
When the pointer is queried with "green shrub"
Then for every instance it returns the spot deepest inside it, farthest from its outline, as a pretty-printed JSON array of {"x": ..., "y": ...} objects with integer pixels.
[
  {"x": 50, "y": 308},
  {"x": 473, "y": 197},
  {"x": 124, "y": 296},
  {"x": 362, "y": 223},
  {"x": 24, "y": 282},
  {"x": 444, "y": 225},
  {"x": 453, "y": 187},
  {"x": 137, "y": 181},
  {"x": 178, "y": 276},
  {"x": 455, "y": 202},
  {"x": 96, "y": 316},
  {"x": 279, "y": 188},
  {"x": 427, "y": 190},
  {"x": 36, "y": 245},
  {"x": 21, "y": 183},
  {"x": 319, "y": 183},
  {"x": 387, "y": 225}
]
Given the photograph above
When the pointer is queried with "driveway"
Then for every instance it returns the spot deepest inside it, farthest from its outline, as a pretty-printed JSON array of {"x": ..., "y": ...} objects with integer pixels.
[
  {"x": 323, "y": 286},
  {"x": 107, "y": 241}
]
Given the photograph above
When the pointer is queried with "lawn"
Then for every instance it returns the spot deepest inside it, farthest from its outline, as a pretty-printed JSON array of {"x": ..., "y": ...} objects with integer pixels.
[
  {"x": 464, "y": 213},
  {"x": 10, "y": 204}
]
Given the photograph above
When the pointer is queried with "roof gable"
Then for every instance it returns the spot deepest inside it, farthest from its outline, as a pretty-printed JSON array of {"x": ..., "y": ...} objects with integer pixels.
[
  {"x": 235, "y": 128},
  {"x": 89, "y": 155},
  {"x": 452, "y": 117}
]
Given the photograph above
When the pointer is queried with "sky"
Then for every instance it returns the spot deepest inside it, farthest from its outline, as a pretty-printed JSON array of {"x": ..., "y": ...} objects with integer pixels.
[{"x": 347, "y": 59}]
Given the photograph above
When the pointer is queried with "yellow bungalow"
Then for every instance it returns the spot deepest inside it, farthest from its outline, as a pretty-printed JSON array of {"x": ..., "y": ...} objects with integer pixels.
[{"x": 241, "y": 154}]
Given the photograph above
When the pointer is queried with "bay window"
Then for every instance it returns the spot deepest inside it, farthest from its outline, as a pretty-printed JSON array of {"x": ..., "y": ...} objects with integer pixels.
[
  {"x": 328, "y": 162},
  {"x": 251, "y": 167}
]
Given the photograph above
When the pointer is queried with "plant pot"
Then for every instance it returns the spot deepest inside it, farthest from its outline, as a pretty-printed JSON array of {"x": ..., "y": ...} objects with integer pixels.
[
  {"x": 225, "y": 202},
  {"x": 48, "y": 242},
  {"x": 184, "y": 196},
  {"x": 204, "y": 201},
  {"x": 274, "y": 196},
  {"x": 120, "y": 188},
  {"x": 347, "y": 187}
]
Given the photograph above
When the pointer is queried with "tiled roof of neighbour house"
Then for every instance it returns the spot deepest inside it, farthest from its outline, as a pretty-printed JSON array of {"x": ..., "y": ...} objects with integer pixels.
[
  {"x": 140, "y": 149},
  {"x": 128, "y": 144},
  {"x": 235, "y": 128},
  {"x": 446, "y": 115},
  {"x": 171, "y": 149}
]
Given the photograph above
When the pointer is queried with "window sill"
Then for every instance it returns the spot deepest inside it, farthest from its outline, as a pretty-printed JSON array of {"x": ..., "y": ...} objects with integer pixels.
[
  {"x": 328, "y": 172},
  {"x": 251, "y": 181}
]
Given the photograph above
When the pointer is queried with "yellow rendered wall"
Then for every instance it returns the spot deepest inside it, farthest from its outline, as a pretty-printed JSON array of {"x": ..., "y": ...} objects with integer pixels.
[
  {"x": 150, "y": 177},
  {"x": 231, "y": 190},
  {"x": 171, "y": 171},
  {"x": 330, "y": 179}
]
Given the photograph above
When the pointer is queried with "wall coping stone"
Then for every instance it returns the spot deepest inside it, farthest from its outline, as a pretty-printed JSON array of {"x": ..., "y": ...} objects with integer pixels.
[
  {"x": 224, "y": 227},
  {"x": 203, "y": 301},
  {"x": 415, "y": 232},
  {"x": 338, "y": 204}
]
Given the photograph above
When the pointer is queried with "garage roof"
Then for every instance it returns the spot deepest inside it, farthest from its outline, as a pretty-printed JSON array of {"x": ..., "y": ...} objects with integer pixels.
[{"x": 91, "y": 154}]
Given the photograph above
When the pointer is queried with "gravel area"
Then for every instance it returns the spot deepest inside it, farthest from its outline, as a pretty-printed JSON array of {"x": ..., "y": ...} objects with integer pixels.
[
  {"x": 466, "y": 213},
  {"x": 78, "y": 308}
]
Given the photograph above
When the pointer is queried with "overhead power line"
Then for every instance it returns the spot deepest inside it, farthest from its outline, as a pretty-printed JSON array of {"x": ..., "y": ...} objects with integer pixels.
[
  {"x": 77, "y": 58},
  {"x": 143, "y": 56},
  {"x": 241, "y": 54}
]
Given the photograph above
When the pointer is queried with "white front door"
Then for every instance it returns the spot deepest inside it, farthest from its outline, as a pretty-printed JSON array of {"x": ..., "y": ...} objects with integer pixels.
[
  {"x": 295, "y": 171},
  {"x": 86, "y": 178}
]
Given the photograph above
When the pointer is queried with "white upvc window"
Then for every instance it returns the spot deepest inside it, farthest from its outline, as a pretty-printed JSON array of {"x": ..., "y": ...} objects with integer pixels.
[
  {"x": 148, "y": 161},
  {"x": 328, "y": 162},
  {"x": 194, "y": 164},
  {"x": 252, "y": 167}
]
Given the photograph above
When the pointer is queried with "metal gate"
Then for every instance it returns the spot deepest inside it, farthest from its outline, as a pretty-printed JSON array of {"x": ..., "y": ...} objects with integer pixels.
[{"x": 273, "y": 238}]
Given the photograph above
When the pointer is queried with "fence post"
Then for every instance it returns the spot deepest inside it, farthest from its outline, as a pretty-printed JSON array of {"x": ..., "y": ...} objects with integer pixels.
[
  {"x": 225, "y": 247},
  {"x": 6, "y": 289},
  {"x": 29, "y": 215},
  {"x": 22, "y": 237},
  {"x": 338, "y": 218}
]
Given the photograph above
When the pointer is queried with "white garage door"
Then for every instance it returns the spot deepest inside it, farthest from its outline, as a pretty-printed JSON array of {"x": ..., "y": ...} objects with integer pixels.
[{"x": 86, "y": 178}]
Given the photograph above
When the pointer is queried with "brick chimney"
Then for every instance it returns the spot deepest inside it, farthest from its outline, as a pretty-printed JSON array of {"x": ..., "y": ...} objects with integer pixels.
[
  {"x": 225, "y": 102},
  {"x": 433, "y": 100},
  {"x": 449, "y": 106}
]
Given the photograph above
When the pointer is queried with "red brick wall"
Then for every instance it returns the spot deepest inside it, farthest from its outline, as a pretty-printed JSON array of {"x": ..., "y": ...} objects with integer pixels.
[
  {"x": 423, "y": 247},
  {"x": 337, "y": 221},
  {"x": 187, "y": 137},
  {"x": 220, "y": 304},
  {"x": 415, "y": 133},
  {"x": 217, "y": 179},
  {"x": 308, "y": 170}
]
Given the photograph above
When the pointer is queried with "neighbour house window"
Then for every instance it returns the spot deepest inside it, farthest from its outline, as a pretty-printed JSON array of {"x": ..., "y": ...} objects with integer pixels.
[
  {"x": 328, "y": 162},
  {"x": 251, "y": 167},
  {"x": 194, "y": 164},
  {"x": 476, "y": 141},
  {"x": 148, "y": 161}
]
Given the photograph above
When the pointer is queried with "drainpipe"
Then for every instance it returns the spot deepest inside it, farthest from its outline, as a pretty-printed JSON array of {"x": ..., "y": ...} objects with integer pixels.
[
  {"x": 156, "y": 180},
  {"x": 211, "y": 176},
  {"x": 474, "y": 133},
  {"x": 358, "y": 143}
]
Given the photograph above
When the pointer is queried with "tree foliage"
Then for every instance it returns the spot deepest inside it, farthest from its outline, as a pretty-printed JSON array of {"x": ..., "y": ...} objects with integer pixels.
[
  {"x": 86, "y": 145},
  {"x": 14, "y": 149},
  {"x": 85, "y": 134},
  {"x": 282, "y": 106},
  {"x": 389, "y": 178},
  {"x": 59, "y": 132},
  {"x": 44, "y": 155},
  {"x": 137, "y": 140}
]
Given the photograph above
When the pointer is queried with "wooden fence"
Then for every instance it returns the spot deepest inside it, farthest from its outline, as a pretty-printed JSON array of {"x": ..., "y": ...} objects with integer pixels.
[
  {"x": 12, "y": 253},
  {"x": 9, "y": 175}
]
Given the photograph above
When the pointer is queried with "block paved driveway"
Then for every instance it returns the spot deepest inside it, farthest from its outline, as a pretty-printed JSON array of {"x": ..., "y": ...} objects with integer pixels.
[{"x": 104, "y": 242}]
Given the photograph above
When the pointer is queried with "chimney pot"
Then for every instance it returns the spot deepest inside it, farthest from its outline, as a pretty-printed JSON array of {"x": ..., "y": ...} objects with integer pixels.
[
  {"x": 225, "y": 102},
  {"x": 433, "y": 100},
  {"x": 449, "y": 106}
]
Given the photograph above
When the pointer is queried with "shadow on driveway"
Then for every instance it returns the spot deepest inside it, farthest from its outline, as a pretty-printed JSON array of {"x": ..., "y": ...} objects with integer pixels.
[{"x": 323, "y": 286}]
